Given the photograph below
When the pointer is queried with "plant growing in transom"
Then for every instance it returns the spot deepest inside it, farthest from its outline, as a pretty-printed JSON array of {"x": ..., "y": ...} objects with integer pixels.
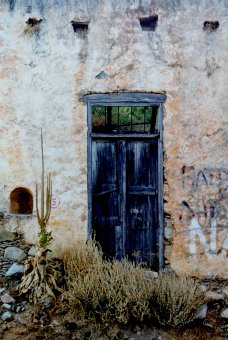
[{"x": 42, "y": 273}]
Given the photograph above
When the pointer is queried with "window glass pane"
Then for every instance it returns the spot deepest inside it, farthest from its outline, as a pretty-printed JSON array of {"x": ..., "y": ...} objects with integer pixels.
[
  {"x": 124, "y": 119},
  {"x": 154, "y": 118},
  {"x": 138, "y": 114},
  {"x": 125, "y": 115},
  {"x": 148, "y": 114},
  {"x": 125, "y": 128},
  {"x": 114, "y": 118},
  {"x": 138, "y": 128},
  {"x": 147, "y": 128},
  {"x": 98, "y": 118}
]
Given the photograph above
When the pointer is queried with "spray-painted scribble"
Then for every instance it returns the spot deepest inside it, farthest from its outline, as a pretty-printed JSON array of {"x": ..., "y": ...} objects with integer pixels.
[
  {"x": 55, "y": 202},
  {"x": 205, "y": 208}
]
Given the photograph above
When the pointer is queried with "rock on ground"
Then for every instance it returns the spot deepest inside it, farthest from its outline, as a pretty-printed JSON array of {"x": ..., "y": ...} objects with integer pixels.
[
  {"x": 202, "y": 312},
  {"x": 15, "y": 254},
  {"x": 203, "y": 288},
  {"x": 32, "y": 251},
  {"x": 6, "y": 306},
  {"x": 151, "y": 275},
  {"x": 15, "y": 269},
  {"x": 214, "y": 296},
  {"x": 7, "y": 316},
  {"x": 224, "y": 313},
  {"x": 6, "y": 298},
  {"x": 6, "y": 235},
  {"x": 225, "y": 291}
]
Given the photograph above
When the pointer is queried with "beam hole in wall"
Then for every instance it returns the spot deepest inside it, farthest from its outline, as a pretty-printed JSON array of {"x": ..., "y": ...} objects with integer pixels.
[
  {"x": 80, "y": 27},
  {"x": 149, "y": 23},
  {"x": 33, "y": 22},
  {"x": 21, "y": 201},
  {"x": 12, "y": 4},
  {"x": 29, "y": 9},
  {"x": 210, "y": 25}
]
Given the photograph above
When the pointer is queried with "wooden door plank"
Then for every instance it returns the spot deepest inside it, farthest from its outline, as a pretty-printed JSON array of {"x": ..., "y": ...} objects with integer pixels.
[
  {"x": 118, "y": 242},
  {"x": 142, "y": 190},
  {"x": 89, "y": 175},
  {"x": 105, "y": 208},
  {"x": 124, "y": 197},
  {"x": 160, "y": 191},
  {"x": 141, "y": 136},
  {"x": 126, "y": 99},
  {"x": 105, "y": 192},
  {"x": 142, "y": 201}
]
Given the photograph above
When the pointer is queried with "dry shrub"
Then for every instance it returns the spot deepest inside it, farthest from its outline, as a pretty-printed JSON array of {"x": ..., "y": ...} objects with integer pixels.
[
  {"x": 42, "y": 277},
  {"x": 175, "y": 300},
  {"x": 119, "y": 291},
  {"x": 106, "y": 291}
]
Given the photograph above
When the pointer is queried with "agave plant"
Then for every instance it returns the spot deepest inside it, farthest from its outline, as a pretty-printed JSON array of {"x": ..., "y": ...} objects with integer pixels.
[{"x": 42, "y": 273}]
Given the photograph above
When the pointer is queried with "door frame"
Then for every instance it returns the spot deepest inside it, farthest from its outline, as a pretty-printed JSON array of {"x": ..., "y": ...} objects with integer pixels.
[{"x": 129, "y": 99}]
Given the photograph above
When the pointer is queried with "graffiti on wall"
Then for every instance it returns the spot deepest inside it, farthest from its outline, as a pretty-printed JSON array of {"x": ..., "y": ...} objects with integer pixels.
[
  {"x": 205, "y": 208},
  {"x": 55, "y": 202}
]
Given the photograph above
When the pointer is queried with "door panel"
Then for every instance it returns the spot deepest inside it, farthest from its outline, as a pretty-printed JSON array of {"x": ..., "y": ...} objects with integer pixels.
[
  {"x": 142, "y": 163},
  {"x": 124, "y": 198},
  {"x": 106, "y": 200},
  {"x": 142, "y": 222}
]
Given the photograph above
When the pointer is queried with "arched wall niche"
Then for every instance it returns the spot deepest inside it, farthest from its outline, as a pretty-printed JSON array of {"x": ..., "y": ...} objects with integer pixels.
[{"x": 21, "y": 201}]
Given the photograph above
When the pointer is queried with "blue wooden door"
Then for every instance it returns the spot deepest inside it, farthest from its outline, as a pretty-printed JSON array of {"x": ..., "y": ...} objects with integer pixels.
[{"x": 125, "y": 198}]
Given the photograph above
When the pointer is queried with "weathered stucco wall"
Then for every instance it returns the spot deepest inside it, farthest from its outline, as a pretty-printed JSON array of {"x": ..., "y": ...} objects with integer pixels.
[{"x": 45, "y": 73}]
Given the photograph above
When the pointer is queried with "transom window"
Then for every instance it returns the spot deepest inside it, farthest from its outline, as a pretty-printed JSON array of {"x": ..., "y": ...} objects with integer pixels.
[{"x": 125, "y": 119}]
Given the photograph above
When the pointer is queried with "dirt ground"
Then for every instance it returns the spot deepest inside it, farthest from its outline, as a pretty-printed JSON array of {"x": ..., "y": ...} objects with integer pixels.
[{"x": 41, "y": 322}]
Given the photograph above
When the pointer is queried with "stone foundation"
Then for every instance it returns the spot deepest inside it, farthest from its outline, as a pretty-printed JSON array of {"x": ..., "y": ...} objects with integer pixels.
[{"x": 7, "y": 241}]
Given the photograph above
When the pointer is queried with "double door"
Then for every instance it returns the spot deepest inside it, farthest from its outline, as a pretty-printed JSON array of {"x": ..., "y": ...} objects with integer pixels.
[{"x": 125, "y": 198}]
